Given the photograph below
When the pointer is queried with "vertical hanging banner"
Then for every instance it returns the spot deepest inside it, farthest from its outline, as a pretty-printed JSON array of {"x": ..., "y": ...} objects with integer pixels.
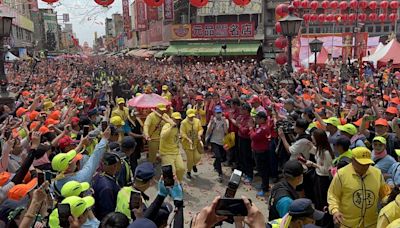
[
  {"x": 127, "y": 18},
  {"x": 141, "y": 16},
  {"x": 168, "y": 10},
  {"x": 34, "y": 5},
  {"x": 152, "y": 13}
]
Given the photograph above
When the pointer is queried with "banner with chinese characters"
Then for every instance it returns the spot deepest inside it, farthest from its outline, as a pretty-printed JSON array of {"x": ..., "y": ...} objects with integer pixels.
[
  {"x": 127, "y": 18},
  {"x": 155, "y": 32},
  {"x": 169, "y": 10},
  {"x": 230, "y": 30},
  {"x": 362, "y": 44},
  {"x": 152, "y": 13},
  {"x": 141, "y": 16}
]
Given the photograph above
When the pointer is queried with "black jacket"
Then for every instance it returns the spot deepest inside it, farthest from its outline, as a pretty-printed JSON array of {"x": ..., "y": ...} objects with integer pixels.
[{"x": 280, "y": 190}]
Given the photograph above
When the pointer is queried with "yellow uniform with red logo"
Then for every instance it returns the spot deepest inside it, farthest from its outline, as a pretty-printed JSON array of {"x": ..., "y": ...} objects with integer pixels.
[
  {"x": 152, "y": 128},
  {"x": 191, "y": 130}
]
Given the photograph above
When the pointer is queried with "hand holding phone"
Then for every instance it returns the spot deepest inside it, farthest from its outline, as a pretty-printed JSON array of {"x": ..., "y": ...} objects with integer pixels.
[
  {"x": 135, "y": 200},
  {"x": 231, "y": 207},
  {"x": 64, "y": 211},
  {"x": 168, "y": 175}
]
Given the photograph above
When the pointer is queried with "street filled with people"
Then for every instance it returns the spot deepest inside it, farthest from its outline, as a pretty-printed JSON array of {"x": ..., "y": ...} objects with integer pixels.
[{"x": 85, "y": 140}]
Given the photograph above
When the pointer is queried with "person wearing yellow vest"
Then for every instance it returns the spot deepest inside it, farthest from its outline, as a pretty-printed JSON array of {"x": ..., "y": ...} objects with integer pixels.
[
  {"x": 152, "y": 129},
  {"x": 191, "y": 133},
  {"x": 356, "y": 190},
  {"x": 165, "y": 93},
  {"x": 391, "y": 211},
  {"x": 121, "y": 110},
  {"x": 169, "y": 145},
  {"x": 200, "y": 109}
]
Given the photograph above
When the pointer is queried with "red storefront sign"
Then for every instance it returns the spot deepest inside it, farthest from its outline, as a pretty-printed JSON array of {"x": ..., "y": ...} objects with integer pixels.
[
  {"x": 232, "y": 30},
  {"x": 168, "y": 10},
  {"x": 141, "y": 16},
  {"x": 127, "y": 18}
]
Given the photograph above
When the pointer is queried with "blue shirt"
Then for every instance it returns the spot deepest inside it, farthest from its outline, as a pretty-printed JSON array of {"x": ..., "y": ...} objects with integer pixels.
[
  {"x": 88, "y": 169},
  {"x": 384, "y": 164},
  {"x": 394, "y": 171},
  {"x": 283, "y": 205},
  {"x": 105, "y": 194},
  {"x": 91, "y": 223}
]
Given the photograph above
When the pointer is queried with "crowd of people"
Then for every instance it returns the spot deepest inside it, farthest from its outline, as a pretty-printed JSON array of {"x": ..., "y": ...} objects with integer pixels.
[{"x": 321, "y": 147}]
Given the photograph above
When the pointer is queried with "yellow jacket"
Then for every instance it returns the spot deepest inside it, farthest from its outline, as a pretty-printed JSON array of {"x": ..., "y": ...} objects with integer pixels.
[
  {"x": 167, "y": 95},
  {"x": 152, "y": 126},
  {"x": 169, "y": 140},
  {"x": 389, "y": 213},
  {"x": 394, "y": 224},
  {"x": 201, "y": 114},
  {"x": 124, "y": 114},
  {"x": 356, "y": 197},
  {"x": 191, "y": 131}
]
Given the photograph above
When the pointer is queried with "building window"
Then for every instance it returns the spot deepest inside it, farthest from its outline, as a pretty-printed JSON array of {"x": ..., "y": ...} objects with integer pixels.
[
  {"x": 317, "y": 30},
  {"x": 311, "y": 30},
  {"x": 378, "y": 28},
  {"x": 347, "y": 29},
  {"x": 386, "y": 28},
  {"x": 370, "y": 29},
  {"x": 303, "y": 30}
]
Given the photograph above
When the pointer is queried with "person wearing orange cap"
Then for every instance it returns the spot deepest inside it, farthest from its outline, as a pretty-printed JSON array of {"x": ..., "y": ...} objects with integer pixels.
[{"x": 391, "y": 112}]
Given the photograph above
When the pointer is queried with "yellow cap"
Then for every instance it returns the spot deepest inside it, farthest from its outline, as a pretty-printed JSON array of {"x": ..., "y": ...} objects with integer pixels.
[
  {"x": 348, "y": 128},
  {"x": 362, "y": 155},
  {"x": 161, "y": 107},
  {"x": 121, "y": 101},
  {"x": 380, "y": 139},
  {"x": 61, "y": 161},
  {"x": 74, "y": 188},
  {"x": 191, "y": 113},
  {"x": 117, "y": 121},
  {"x": 333, "y": 121},
  {"x": 176, "y": 115},
  {"x": 79, "y": 205},
  {"x": 397, "y": 152},
  {"x": 164, "y": 87}
]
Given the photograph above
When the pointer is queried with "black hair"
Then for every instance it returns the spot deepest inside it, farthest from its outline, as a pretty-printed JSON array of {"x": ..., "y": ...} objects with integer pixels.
[
  {"x": 114, "y": 220},
  {"x": 235, "y": 101},
  {"x": 393, "y": 194},
  {"x": 246, "y": 107},
  {"x": 302, "y": 123},
  {"x": 344, "y": 142}
]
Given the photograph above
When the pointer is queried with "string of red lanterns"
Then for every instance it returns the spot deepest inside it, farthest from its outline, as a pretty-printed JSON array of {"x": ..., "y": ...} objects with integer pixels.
[{"x": 104, "y": 3}]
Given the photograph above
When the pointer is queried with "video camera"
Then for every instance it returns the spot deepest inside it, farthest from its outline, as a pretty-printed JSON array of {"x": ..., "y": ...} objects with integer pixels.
[{"x": 286, "y": 125}]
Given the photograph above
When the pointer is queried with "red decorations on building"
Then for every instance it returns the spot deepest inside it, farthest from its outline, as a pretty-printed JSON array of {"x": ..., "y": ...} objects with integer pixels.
[
  {"x": 306, "y": 17},
  {"x": 240, "y": 2},
  {"x": 343, "y": 5},
  {"x": 281, "y": 42},
  {"x": 382, "y": 17},
  {"x": 373, "y": 5},
  {"x": 373, "y": 17},
  {"x": 50, "y": 1},
  {"x": 314, "y": 5},
  {"x": 384, "y": 4},
  {"x": 313, "y": 17},
  {"x": 198, "y": 3},
  {"x": 393, "y": 17},
  {"x": 334, "y": 4},
  {"x": 325, "y": 4},
  {"x": 282, "y": 10},
  {"x": 281, "y": 59},
  {"x": 362, "y": 17},
  {"x": 296, "y": 3},
  {"x": 352, "y": 17},
  {"x": 278, "y": 27},
  {"x": 353, "y": 4},
  {"x": 363, "y": 5},
  {"x": 394, "y": 5},
  {"x": 330, "y": 18},
  {"x": 321, "y": 18},
  {"x": 154, "y": 3},
  {"x": 305, "y": 4}
]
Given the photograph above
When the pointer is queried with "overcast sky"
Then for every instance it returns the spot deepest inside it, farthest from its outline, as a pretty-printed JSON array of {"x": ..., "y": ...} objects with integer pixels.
[{"x": 86, "y": 16}]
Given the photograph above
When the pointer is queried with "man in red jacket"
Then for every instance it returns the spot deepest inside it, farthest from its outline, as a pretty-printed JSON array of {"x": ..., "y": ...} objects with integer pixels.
[{"x": 260, "y": 137}]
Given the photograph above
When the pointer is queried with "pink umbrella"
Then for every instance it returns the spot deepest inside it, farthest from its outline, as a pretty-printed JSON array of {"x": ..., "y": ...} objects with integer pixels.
[{"x": 147, "y": 101}]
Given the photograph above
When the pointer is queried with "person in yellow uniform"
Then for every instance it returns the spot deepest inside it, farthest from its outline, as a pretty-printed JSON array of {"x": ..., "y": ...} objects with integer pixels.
[
  {"x": 121, "y": 111},
  {"x": 191, "y": 133},
  {"x": 200, "y": 109},
  {"x": 169, "y": 145},
  {"x": 356, "y": 191},
  {"x": 165, "y": 93},
  {"x": 152, "y": 129}
]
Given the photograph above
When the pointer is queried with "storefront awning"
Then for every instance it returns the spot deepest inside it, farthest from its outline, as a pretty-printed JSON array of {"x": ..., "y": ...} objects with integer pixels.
[
  {"x": 159, "y": 54},
  {"x": 141, "y": 53},
  {"x": 212, "y": 49}
]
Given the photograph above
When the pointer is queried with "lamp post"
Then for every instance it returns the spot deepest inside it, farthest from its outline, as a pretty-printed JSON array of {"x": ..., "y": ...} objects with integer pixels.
[
  {"x": 223, "y": 49},
  {"x": 290, "y": 27},
  {"x": 6, "y": 98},
  {"x": 315, "y": 47}
]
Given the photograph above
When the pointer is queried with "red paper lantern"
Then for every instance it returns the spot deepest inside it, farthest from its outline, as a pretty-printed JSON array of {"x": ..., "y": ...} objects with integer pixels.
[
  {"x": 296, "y": 3},
  {"x": 362, "y": 17},
  {"x": 198, "y": 3},
  {"x": 382, "y": 17},
  {"x": 373, "y": 5},
  {"x": 305, "y": 4},
  {"x": 278, "y": 27},
  {"x": 343, "y": 5},
  {"x": 104, "y": 3},
  {"x": 373, "y": 17},
  {"x": 281, "y": 58},
  {"x": 363, "y": 4},
  {"x": 353, "y": 4},
  {"x": 384, "y": 4},
  {"x": 306, "y": 17},
  {"x": 334, "y": 4},
  {"x": 352, "y": 17},
  {"x": 313, "y": 17},
  {"x": 314, "y": 5},
  {"x": 325, "y": 4},
  {"x": 394, "y": 4},
  {"x": 50, "y": 1},
  {"x": 241, "y": 2},
  {"x": 282, "y": 10},
  {"x": 321, "y": 18},
  {"x": 393, "y": 17},
  {"x": 330, "y": 18},
  {"x": 281, "y": 42},
  {"x": 153, "y": 3},
  {"x": 344, "y": 17},
  {"x": 338, "y": 18}
]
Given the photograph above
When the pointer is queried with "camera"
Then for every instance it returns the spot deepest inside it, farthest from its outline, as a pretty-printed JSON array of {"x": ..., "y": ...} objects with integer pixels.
[
  {"x": 233, "y": 184},
  {"x": 286, "y": 125}
]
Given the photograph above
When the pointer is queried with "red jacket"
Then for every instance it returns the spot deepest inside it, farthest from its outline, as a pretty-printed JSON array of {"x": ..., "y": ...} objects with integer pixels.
[
  {"x": 244, "y": 127},
  {"x": 260, "y": 138}
]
